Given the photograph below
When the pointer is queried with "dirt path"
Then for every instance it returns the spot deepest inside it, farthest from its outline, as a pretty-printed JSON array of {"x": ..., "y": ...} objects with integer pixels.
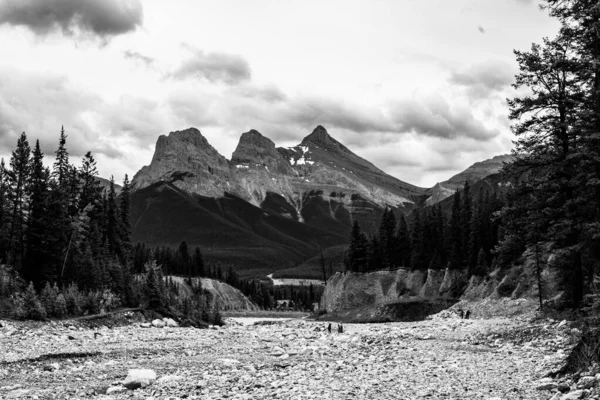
[{"x": 439, "y": 359}]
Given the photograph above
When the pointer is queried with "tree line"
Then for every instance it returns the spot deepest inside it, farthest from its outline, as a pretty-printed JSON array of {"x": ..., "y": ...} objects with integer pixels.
[
  {"x": 65, "y": 244},
  {"x": 430, "y": 239}
]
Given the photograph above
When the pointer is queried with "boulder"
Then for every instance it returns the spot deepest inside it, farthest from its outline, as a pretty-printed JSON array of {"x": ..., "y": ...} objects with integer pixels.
[
  {"x": 158, "y": 323},
  {"x": 137, "y": 378},
  {"x": 170, "y": 322},
  {"x": 146, "y": 325}
]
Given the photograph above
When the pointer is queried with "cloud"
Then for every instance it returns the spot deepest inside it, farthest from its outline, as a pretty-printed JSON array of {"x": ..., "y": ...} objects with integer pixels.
[
  {"x": 268, "y": 93},
  {"x": 436, "y": 117},
  {"x": 138, "y": 57},
  {"x": 214, "y": 67},
  {"x": 39, "y": 104},
  {"x": 525, "y": 2},
  {"x": 313, "y": 111},
  {"x": 103, "y": 18},
  {"x": 484, "y": 78}
]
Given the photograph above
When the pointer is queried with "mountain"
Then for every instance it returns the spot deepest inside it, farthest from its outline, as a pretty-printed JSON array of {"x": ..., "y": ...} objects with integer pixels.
[
  {"x": 474, "y": 173},
  {"x": 267, "y": 208},
  {"x": 105, "y": 184}
]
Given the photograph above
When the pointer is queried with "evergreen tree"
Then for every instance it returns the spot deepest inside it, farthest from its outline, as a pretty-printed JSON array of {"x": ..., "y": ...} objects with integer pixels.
[
  {"x": 549, "y": 127},
  {"x": 125, "y": 215},
  {"x": 455, "y": 233},
  {"x": 403, "y": 249},
  {"x": 357, "y": 251},
  {"x": 61, "y": 163},
  {"x": 418, "y": 258},
  {"x": 113, "y": 226},
  {"x": 198, "y": 262},
  {"x": 18, "y": 175},
  {"x": 36, "y": 267}
]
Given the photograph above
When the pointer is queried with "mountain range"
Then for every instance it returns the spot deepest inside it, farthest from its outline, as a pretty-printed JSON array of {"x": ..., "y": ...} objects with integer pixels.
[{"x": 269, "y": 209}]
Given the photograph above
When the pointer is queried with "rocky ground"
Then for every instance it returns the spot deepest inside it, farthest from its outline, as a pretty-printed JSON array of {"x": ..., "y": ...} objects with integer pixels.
[{"x": 441, "y": 358}]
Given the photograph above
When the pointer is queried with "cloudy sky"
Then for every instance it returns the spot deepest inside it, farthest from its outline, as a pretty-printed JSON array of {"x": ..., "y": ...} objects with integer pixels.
[{"x": 417, "y": 87}]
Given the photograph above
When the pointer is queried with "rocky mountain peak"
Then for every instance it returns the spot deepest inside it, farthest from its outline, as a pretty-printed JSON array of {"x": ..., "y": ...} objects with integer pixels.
[
  {"x": 254, "y": 149},
  {"x": 318, "y": 136},
  {"x": 186, "y": 159}
]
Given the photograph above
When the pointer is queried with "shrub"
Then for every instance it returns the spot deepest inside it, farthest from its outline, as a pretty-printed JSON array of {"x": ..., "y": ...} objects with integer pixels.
[
  {"x": 74, "y": 299},
  {"x": 92, "y": 303},
  {"x": 48, "y": 298},
  {"x": 60, "y": 306},
  {"x": 33, "y": 307},
  {"x": 108, "y": 301}
]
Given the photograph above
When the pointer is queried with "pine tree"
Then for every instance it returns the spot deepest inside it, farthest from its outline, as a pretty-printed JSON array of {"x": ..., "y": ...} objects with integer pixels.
[
  {"x": 403, "y": 249},
  {"x": 357, "y": 250},
  {"x": 37, "y": 268},
  {"x": 113, "y": 226},
  {"x": 387, "y": 230},
  {"x": 125, "y": 215},
  {"x": 549, "y": 127},
  {"x": 91, "y": 190},
  {"x": 185, "y": 265},
  {"x": 455, "y": 233},
  {"x": 5, "y": 197},
  {"x": 61, "y": 163},
  {"x": 418, "y": 258},
  {"x": 18, "y": 175},
  {"x": 153, "y": 286},
  {"x": 198, "y": 262}
]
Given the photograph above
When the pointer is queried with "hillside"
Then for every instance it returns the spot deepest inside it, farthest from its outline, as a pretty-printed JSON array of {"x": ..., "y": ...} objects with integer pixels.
[{"x": 472, "y": 174}]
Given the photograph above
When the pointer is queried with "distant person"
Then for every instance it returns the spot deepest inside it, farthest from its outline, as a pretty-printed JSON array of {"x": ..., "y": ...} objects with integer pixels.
[
  {"x": 461, "y": 313},
  {"x": 341, "y": 328},
  {"x": 468, "y": 314},
  {"x": 329, "y": 327}
]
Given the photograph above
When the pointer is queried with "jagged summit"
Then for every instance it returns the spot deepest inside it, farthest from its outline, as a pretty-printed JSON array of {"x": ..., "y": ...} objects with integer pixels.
[
  {"x": 318, "y": 135},
  {"x": 187, "y": 158},
  {"x": 254, "y": 149},
  {"x": 321, "y": 138}
]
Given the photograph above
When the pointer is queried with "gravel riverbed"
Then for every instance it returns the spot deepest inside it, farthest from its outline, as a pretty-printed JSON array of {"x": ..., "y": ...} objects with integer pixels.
[{"x": 442, "y": 358}]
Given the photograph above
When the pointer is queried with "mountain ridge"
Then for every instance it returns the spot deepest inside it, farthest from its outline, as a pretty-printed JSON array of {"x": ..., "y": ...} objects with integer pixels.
[{"x": 267, "y": 209}]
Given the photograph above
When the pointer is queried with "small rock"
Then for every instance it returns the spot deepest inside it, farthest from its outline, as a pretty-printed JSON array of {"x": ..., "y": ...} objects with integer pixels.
[
  {"x": 116, "y": 389},
  {"x": 146, "y": 325},
  {"x": 159, "y": 323},
  {"x": 562, "y": 323},
  {"x": 52, "y": 367},
  {"x": 563, "y": 387},
  {"x": 137, "y": 378},
  {"x": 17, "y": 394},
  {"x": 169, "y": 378},
  {"x": 546, "y": 386},
  {"x": 574, "y": 395},
  {"x": 586, "y": 382}
]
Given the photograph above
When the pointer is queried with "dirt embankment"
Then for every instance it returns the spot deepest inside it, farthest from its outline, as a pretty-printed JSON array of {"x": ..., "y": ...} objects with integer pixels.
[
  {"x": 224, "y": 296},
  {"x": 484, "y": 296}
]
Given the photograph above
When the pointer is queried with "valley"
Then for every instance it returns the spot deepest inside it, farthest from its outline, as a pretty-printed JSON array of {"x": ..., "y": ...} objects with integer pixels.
[{"x": 443, "y": 357}]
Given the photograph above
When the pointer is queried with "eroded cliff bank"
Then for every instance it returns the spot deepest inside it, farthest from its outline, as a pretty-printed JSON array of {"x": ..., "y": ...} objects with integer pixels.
[{"x": 348, "y": 291}]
